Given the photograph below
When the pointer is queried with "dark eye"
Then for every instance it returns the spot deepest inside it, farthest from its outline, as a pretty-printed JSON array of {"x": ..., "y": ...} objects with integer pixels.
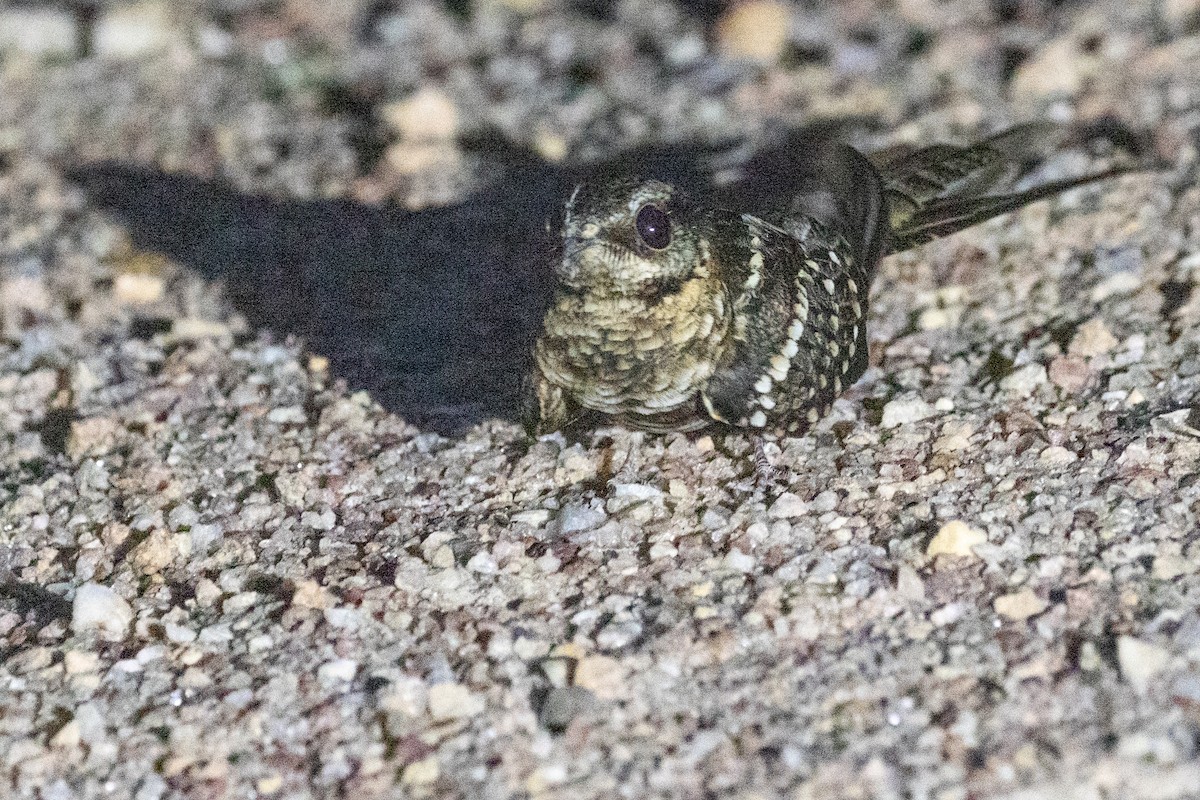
[{"x": 653, "y": 227}]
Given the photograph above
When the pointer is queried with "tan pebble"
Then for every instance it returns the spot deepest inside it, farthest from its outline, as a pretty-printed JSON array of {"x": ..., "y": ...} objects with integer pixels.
[
  {"x": 1141, "y": 662},
  {"x": 269, "y": 784},
  {"x": 310, "y": 594},
  {"x": 1092, "y": 339},
  {"x": 756, "y": 30},
  {"x": 453, "y": 701},
  {"x": 601, "y": 675},
  {"x": 68, "y": 736},
  {"x": 421, "y": 773},
  {"x": 428, "y": 115},
  {"x": 133, "y": 288},
  {"x": 1069, "y": 373},
  {"x": 1055, "y": 70},
  {"x": 955, "y": 538},
  {"x": 78, "y": 662},
  {"x": 1020, "y": 605}
]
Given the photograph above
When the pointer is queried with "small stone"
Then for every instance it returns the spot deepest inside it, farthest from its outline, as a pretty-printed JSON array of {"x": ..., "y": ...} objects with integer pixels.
[
  {"x": 534, "y": 518},
  {"x": 310, "y": 594},
  {"x": 179, "y": 634},
  {"x": 909, "y": 584},
  {"x": 660, "y": 550},
  {"x": 93, "y": 436},
  {"x": 1057, "y": 455},
  {"x": 1170, "y": 566},
  {"x": 737, "y": 561},
  {"x": 955, "y": 538},
  {"x": 269, "y": 784},
  {"x": 1070, "y": 373},
  {"x": 453, "y": 701},
  {"x": 1140, "y": 662},
  {"x": 1023, "y": 382},
  {"x": 563, "y": 704},
  {"x": 135, "y": 30},
  {"x": 340, "y": 670},
  {"x": 600, "y": 675},
  {"x": 31, "y": 659},
  {"x": 755, "y": 30},
  {"x": 137, "y": 288},
  {"x": 1056, "y": 70},
  {"x": 955, "y": 436},
  {"x": 191, "y": 329},
  {"x": 194, "y": 678},
  {"x": 68, "y": 736},
  {"x": 787, "y": 506},
  {"x": 636, "y": 491},
  {"x": 577, "y": 517},
  {"x": 80, "y": 662},
  {"x": 1092, "y": 339},
  {"x": 1179, "y": 14},
  {"x": 238, "y": 604},
  {"x": 1020, "y": 605},
  {"x": 421, "y": 773},
  {"x": 101, "y": 609},
  {"x": 287, "y": 415},
  {"x": 483, "y": 563},
  {"x": 428, "y": 115},
  {"x": 904, "y": 410},
  {"x": 37, "y": 31}
]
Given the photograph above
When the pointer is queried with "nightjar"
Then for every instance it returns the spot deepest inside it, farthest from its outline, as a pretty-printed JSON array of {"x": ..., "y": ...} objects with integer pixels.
[{"x": 672, "y": 314}]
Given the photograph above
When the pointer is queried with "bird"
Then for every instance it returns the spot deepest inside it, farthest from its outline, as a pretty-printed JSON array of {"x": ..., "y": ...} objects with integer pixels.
[{"x": 670, "y": 312}]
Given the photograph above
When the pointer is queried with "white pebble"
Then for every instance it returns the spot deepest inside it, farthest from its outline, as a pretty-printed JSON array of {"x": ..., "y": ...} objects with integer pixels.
[{"x": 101, "y": 609}]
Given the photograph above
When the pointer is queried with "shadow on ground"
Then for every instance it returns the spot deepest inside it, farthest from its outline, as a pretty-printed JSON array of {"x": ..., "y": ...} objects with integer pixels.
[{"x": 433, "y": 311}]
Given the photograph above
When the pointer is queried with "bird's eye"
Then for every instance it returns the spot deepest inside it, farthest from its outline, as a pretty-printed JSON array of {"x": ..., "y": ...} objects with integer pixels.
[{"x": 653, "y": 227}]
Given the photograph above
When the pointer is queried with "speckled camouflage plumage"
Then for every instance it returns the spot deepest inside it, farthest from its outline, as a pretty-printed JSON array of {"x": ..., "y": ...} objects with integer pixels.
[{"x": 670, "y": 314}]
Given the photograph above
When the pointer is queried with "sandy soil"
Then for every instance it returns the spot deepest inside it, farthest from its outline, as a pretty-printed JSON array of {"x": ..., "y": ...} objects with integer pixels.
[{"x": 268, "y": 527}]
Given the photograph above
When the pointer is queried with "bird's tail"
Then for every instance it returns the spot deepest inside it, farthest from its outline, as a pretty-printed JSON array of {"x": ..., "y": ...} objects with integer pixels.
[{"x": 938, "y": 190}]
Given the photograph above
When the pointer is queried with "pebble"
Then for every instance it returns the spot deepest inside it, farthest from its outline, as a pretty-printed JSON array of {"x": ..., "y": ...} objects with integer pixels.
[
  {"x": 80, "y": 662},
  {"x": 1092, "y": 339},
  {"x": 787, "y": 506},
  {"x": 179, "y": 634},
  {"x": 340, "y": 670},
  {"x": 421, "y": 773},
  {"x": 1169, "y": 565},
  {"x": 1019, "y": 605},
  {"x": 1057, "y": 455},
  {"x": 138, "y": 288},
  {"x": 576, "y": 517},
  {"x": 904, "y": 410},
  {"x": 562, "y": 705},
  {"x": 1070, "y": 373},
  {"x": 37, "y": 31},
  {"x": 1056, "y": 70},
  {"x": 756, "y": 30},
  {"x": 427, "y": 115},
  {"x": 98, "y": 608},
  {"x": 1141, "y": 662},
  {"x": 1024, "y": 381},
  {"x": 601, "y": 675},
  {"x": 737, "y": 561},
  {"x": 955, "y": 538},
  {"x": 310, "y": 594},
  {"x": 138, "y": 29},
  {"x": 453, "y": 701}
]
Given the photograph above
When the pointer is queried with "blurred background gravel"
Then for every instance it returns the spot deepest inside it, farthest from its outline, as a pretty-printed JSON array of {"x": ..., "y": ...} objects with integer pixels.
[{"x": 268, "y": 528}]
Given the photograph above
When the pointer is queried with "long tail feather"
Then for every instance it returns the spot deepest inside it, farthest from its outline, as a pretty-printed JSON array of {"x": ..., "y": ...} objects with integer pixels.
[{"x": 939, "y": 190}]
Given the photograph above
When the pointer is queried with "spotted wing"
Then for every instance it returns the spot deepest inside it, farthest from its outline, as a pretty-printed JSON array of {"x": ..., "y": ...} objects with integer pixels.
[{"x": 799, "y": 337}]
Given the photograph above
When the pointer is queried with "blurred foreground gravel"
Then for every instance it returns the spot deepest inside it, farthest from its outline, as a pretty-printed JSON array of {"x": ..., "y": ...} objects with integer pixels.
[{"x": 237, "y": 562}]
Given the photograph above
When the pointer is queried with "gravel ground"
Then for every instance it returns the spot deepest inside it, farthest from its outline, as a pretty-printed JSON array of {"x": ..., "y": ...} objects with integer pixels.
[{"x": 268, "y": 527}]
